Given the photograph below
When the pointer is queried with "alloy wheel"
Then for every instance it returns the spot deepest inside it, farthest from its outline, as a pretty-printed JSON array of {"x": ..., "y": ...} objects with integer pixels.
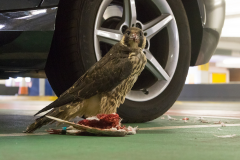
[{"x": 128, "y": 17}]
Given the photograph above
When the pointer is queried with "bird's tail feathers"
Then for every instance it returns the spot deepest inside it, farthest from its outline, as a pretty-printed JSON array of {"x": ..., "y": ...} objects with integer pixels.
[
  {"x": 66, "y": 112},
  {"x": 39, "y": 122}
]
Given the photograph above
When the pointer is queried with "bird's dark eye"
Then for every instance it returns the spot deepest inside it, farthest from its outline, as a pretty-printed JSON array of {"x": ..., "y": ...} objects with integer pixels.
[{"x": 128, "y": 32}]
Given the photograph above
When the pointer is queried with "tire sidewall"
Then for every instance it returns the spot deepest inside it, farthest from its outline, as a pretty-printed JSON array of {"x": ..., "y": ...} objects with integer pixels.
[{"x": 86, "y": 32}]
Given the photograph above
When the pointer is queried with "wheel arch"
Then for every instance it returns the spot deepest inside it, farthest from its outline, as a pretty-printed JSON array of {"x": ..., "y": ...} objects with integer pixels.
[{"x": 196, "y": 29}]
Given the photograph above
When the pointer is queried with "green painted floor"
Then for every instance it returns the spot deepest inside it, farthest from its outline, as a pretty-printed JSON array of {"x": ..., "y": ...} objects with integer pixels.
[{"x": 150, "y": 143}]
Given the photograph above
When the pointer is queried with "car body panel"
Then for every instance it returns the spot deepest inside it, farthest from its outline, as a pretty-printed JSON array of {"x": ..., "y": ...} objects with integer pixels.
[
  {"x": 206, "y": 19},
  {"x": 25, "y": 41},
  {"x": 196, "y": 29},
  {"x": 213, "y": 16},
  {"x": 29, "y": 20},
  {"x": 18, "y": 4},
  {"x": 28, "y": 51},
  {"x": 46, "y": 3}
]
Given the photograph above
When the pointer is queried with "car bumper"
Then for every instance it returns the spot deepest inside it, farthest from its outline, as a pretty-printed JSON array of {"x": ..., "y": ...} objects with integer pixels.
[{"x": 213, "y": 16}]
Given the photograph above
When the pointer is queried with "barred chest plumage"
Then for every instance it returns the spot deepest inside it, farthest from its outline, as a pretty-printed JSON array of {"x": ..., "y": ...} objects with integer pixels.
[
  {"x": 139, "y": 61},
  {"x": 111, "y": 101}
]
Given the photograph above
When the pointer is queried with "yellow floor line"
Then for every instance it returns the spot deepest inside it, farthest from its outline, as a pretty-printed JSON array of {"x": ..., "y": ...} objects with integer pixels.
[
  {"x": 192, "y": 126},
  {"x": 22, "y": 134},
  {"x": 28, "y": 98}
]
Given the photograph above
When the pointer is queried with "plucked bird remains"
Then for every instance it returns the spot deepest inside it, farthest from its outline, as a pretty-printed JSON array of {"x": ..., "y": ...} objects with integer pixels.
[
  {"x": 101, "y": 125},
  {"x": 104, "y": 86}
]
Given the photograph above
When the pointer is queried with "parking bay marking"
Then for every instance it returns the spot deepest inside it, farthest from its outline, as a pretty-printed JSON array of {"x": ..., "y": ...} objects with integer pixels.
[
  {"x": 22, "y": 134},
  {"x": 141, "y": 129},
  {"x": 190, "y": 126}
]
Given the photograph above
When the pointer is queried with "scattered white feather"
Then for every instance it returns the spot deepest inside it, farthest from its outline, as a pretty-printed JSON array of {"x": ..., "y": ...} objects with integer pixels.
[
  {"x": 114, "y": 129},
  {"x": 73, "y": 132},
  {"x": 223, "y": 124},
  {"x": 70, "y": 128},
  {"x": 131, "y": 130},
  {"x": 171, "y": 119},
  {"x": 219, "y": 129},
  {"x": 226, "y": 136},
  {"x": 199, "y": 118},
  {"x": 92, "y": 118}
]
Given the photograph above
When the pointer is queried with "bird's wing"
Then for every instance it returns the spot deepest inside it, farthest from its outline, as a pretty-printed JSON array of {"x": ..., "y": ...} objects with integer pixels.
[{"x": 104, "y": 76}]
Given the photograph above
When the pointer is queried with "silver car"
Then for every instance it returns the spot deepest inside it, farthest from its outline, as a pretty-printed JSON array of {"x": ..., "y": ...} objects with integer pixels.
[{"x": 61, "y": 39}]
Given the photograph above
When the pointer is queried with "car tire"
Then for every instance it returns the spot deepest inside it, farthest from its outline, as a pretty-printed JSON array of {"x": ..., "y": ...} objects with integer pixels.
[
  {"x": 135, "y": 112},
  {"x": 72, "y": 53}
]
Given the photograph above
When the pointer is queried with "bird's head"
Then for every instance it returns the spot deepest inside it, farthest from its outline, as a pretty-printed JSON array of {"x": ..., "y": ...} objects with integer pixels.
[{"x": 134, "y": 38}]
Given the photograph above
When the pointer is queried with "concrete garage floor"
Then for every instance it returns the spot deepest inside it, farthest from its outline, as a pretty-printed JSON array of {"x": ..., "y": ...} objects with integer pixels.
[{"x": 158, "y": 139}]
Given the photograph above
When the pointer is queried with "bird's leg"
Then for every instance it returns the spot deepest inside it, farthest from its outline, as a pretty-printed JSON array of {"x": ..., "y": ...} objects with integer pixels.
[
  {"x": 84, "y": 117},
  {"x": 56, "y": 131}
]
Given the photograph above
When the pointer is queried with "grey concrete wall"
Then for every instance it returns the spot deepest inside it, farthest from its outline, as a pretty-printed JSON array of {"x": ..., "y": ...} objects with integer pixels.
[
  {"x": 210, "y": 92},
  {"x": 190, "y": 92},
  {"x": 8, "y": 90}
]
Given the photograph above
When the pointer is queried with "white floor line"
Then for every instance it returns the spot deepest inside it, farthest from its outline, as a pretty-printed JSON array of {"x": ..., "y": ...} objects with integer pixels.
[
  {"x": 220, "y": 117},
  {"x": 22, "y": 134},
  {"x": 191, "y": 126},
  {"x": 141, "y": 129},
  {"x": 195, "y": 115}
]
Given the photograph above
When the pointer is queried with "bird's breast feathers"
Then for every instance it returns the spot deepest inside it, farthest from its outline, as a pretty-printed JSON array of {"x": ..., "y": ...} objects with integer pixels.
[
  {"x": 117, "y": 95},
  {"x": 139, "y": 60}
]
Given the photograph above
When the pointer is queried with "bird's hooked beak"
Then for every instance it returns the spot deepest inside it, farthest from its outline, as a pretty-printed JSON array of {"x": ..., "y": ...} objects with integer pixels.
[{"x": 134, "y": 37}]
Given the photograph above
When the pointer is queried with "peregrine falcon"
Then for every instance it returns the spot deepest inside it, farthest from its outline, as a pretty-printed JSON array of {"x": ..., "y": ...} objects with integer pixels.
[{"x": 104, "y": 86}]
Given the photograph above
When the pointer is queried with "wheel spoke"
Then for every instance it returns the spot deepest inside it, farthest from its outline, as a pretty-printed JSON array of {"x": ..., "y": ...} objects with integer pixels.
[
  {"x": 156, "y": 25},
  {"x": 109, "y": 36},
  {"x": 130, "y": 13},
  {"x": 155, "y": 67}
]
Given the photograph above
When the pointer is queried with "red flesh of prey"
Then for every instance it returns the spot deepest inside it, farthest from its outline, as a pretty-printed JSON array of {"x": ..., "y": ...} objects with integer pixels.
[{"x": 106, "y": 121}]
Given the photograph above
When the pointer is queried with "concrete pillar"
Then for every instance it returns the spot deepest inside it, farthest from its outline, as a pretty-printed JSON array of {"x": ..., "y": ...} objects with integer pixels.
[
  {"x": 204, "y": 74},
  {"x": 41, "y": 87},
  {"x": 13, "y": 83}
]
